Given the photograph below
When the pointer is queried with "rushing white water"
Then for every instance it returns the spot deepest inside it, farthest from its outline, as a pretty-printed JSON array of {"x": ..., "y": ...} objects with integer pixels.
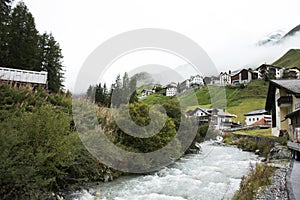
[{"x": 213, "y": 174}]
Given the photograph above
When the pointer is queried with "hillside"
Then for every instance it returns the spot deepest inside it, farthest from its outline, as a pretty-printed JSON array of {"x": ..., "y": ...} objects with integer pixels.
[
  {"x": 238, "y": 100},
  {"x": 292, "y": 32},
  {"x": 289, "y": 60}
]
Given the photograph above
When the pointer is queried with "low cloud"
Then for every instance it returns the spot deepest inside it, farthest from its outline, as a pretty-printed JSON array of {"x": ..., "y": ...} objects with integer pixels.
[{"x": 238, "y": 56}]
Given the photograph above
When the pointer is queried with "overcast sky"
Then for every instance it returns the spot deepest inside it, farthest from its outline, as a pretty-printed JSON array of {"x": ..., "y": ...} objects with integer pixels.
[{"x": 226, "y": 30}]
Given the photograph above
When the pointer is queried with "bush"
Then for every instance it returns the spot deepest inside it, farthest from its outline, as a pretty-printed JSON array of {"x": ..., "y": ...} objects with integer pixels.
[
  {"x": 258, "y": 177},
  {"x": 39, "y": 152}
]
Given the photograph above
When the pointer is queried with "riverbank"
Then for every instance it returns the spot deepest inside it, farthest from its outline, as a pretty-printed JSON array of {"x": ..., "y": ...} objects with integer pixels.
[
  {"x": 278, "y": 189},
  {"x": 270, "y": 178}
]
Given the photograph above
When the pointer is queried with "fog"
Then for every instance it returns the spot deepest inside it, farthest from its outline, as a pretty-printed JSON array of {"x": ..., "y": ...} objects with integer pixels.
[{"x": 237, "y": 56}]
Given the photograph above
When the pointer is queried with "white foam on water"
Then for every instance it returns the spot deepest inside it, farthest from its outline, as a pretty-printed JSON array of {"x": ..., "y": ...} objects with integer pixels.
[{"x": 213, "y": 174}]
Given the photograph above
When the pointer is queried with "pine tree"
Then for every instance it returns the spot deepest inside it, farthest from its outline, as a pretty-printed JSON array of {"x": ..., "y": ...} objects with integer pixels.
[
  {"x": 106, "y": 101},
  {"x": 125, "y": 89},
  {"x": 132, "y": 86},
  {"x": 23, "y": 39},
  {"x": 116, "y": 92},
  {"x": 50, "y": 60},
  {"x": 99, "y": 94},
  {"x": 5, "y": 11},
  {"x": 90, "y": 94}
]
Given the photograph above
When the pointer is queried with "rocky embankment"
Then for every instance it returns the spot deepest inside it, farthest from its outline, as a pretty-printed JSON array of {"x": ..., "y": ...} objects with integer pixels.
[{"x": 279, "y": 158}]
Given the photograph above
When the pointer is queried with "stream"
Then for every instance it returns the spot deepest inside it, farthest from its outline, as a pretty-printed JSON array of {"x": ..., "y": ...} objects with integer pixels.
[{"x": 215, "y": 173}]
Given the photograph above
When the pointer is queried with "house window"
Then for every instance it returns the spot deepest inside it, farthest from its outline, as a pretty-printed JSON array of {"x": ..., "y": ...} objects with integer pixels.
[
  {"x": 253, "y": 119},
  {"x": 257, "y": 119},
  {"x": 249, "y": 119}
]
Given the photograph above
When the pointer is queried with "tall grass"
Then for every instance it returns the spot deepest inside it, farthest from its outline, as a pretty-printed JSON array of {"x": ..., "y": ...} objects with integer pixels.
[{"x": 259, "y": 176}]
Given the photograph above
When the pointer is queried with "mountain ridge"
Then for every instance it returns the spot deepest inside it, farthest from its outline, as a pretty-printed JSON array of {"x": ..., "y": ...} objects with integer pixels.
[{"x": 289, "y": 60}]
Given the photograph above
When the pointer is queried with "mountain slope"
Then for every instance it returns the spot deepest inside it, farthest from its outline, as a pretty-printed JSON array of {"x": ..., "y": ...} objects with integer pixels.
[
  {"x": 272, "y": 38},
  {"x": 289, "y": 60},
  {"x": 293, "y": 31}
]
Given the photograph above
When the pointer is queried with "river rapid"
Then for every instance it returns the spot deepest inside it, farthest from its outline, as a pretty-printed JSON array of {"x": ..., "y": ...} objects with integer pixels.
[{"x": 215, "y": 173}]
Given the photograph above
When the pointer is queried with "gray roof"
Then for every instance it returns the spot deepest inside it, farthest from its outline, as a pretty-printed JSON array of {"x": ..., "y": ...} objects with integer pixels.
[
  {"x": 292, "y": 85},
  {"x": 256, "y": 112},
  {"x": 222, "y": 112},
  {"x": 205, "y": 110}
]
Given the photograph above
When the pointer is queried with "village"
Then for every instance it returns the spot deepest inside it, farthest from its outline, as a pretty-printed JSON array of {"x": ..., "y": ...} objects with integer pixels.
[{"x": 279, "y": 113}]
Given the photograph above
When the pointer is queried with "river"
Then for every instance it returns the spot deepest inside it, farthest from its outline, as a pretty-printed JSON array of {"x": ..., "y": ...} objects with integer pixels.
[{"x": 215, "y": 173}]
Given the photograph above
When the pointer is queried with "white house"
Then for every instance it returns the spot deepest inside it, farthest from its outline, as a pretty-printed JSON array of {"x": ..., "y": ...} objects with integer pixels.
[
  {"x": 183, "y": 86},
  {"x": 238, "y": 77},
  {"x": 293, "y": 73},
  {"x": 282, "y": 101},
  {"x": 171, "y": 89},
  {"x": 225, "y": 78},
  {"x": 202, "y": 115},
  {"x": 199, "y": 112},
  {"x": 225, "y": 120},
  {"x": 196, "y": 81},
  {"x": 258, "y": 118},
  {"x": 264, "y": 69},
  {"x": 146, "y": 93},
  {"x": 221, "y": 119}
]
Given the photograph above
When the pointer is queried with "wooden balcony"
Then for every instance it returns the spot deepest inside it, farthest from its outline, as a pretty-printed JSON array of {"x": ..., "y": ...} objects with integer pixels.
[{"x": 285, "y": 101}]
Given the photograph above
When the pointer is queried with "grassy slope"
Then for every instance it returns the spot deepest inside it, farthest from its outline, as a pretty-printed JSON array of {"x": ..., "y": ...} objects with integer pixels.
[
  {"x": 260, "y": 132},
  {"x": 239, "y": 101},
  {"x": 290, "y": 59}
]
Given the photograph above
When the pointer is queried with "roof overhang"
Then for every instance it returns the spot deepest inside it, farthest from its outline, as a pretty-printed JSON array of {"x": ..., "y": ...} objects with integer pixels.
[{"x": 293, "y": 114}]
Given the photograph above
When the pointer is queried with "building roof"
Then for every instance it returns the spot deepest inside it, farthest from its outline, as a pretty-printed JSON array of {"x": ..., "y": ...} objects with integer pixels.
[
  {"x": 221, "y": 112},
  {"x": 293, "y": 114},
  {"x": 291, "y": 86},
  {"x": 256, "y": 112},
  {"x": 205, "y": 110},
  {"x": 146, "y": 90},
  {"x": 267, "y": 65}
]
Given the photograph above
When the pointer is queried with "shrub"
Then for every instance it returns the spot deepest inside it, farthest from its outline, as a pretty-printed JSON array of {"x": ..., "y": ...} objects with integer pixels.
[{"x": 258, "y": 177}]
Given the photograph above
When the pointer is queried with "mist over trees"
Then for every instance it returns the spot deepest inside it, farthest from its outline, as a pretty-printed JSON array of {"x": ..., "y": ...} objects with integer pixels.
[
  {"x": 122, "y": 91},
  {"x": 23, "y": 47}
]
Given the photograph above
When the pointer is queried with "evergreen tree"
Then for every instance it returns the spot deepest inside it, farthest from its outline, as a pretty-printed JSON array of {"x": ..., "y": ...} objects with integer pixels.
[
  {"x": 5, "y": 11},
  {"x": 106, "y": 101},
  {"x": 125, "y": 89},
  {"x": 90, "y": 94},
  {"x": 116, "y": 92},
  {"x": 23, "y": 39},
  {"x": 132, "y": 86},
  {"x": 50, "y": 60},
  {"x": 99, "y": 95}
]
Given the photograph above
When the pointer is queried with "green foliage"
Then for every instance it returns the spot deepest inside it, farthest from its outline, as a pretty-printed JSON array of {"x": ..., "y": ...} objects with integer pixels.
[
  {"x": 256, "y": 132},
  {"x": 40, "y": 153},
  {"x": 258, "y": 177},
  {"x": 139, "y": 113},
  {"x": 50, "y": 60},
  {"x": 264, "y": 145},
  {"x": 5, "y": 11},
  {"x": 23, "y": 39}
]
